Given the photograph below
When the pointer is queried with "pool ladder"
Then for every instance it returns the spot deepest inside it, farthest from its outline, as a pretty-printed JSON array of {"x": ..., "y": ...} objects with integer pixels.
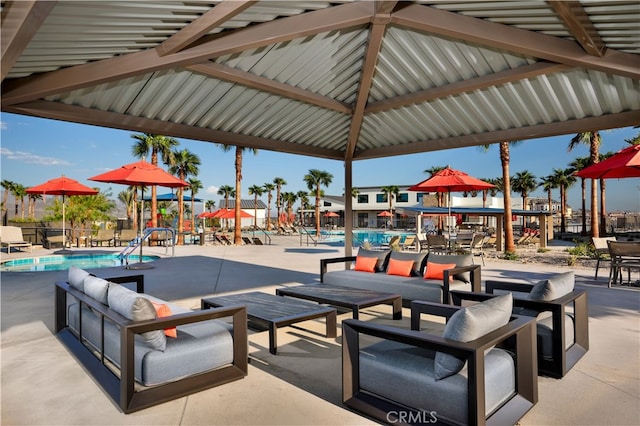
[{"x": 134, "y": 244}]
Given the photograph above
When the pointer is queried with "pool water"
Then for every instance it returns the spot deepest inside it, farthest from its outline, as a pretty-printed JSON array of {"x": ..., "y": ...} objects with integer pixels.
[
  {"x": 375, "y": 238},
  {"x": 63, "y": 262}
]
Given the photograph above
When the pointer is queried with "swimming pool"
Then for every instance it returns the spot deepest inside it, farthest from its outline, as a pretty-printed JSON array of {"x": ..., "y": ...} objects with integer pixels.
[
  {"x": 63, "y": 262},
  {"x": 375, "y": 238}
]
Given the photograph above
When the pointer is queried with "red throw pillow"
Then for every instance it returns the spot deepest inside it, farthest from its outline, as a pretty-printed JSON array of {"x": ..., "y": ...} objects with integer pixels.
[
  {"x": 365, "y": 264},
  {"x": 162, "y": 311},
  {"x": 435, "y": 271},
  {"x": 400, "y": 267}
]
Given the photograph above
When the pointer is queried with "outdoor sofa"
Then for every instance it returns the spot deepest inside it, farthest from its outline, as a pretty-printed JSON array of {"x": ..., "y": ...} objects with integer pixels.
[
  {"x": 120, "y": 337},
  {"x": 460, "y": 273}
]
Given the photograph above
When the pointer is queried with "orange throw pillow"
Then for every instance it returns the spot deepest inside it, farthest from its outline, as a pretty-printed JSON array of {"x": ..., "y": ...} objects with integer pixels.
[
  {"x": 400, "y": 267},
  {"x": 435, "y": 271},
  {"x": 164, "y": 311},
  {"x": 365, "y": 264}
]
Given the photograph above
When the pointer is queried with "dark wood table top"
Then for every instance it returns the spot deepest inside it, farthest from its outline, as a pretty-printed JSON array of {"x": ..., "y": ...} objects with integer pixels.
[
  {"x": 269, "y": 307},
  {"x": 332, "y": 294}
]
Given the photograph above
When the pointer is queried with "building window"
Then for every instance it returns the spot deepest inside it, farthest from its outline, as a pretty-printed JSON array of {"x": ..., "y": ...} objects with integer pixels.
[
  {"x": 326, "y": 204},
  {"x": 403, "y": 197},
  {"x": 363, "y": 198},
  {"x": 381, "y": 198}
]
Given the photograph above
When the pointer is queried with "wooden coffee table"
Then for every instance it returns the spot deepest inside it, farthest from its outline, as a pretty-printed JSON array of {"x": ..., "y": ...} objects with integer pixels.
[
  {"x": 345, "y": 297},
  {"x": 275, "y": 311}
]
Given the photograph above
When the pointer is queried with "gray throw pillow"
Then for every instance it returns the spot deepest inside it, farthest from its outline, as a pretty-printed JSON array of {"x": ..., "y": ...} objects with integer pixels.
[
  {"x": 382, "y": 256},
  {"x": 419, "y": 260},
  {"x": 553, "y": 287},
  {"x": 471, "y": 323},
  {"x": 132, "y": 306},
  {"x": 458, "y": 259},
  {"x": 76, "y": 278},
  {"x": 96, "y": 288}
]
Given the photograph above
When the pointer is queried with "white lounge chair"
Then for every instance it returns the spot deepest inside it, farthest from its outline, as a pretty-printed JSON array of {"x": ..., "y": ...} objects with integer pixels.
[{"x": 11, "y": 236}]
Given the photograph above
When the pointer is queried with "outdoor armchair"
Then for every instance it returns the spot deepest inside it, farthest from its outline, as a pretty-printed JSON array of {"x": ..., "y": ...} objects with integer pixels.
[
  {"x": 562, "y": 322},
  {"x": 395, "y": 375}
]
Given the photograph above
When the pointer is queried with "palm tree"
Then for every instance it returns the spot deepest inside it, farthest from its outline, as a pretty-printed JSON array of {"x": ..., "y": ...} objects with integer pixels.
[
  {"x": 593, "y": 140},
  {"x": 183, "y": 163},
  {"x": 548, "y": 183},
  {"x": 603, "y": 190},
  {"x": 278, "y": 182},
  {"x": 303, "y": 196},
  {"x": 579, "y": 164},
  {"x": 439, "y": 195},
  {"x": 156, "y": 145},
  {"x": 256, "y": 191},
  {"x": 194, "y": 186},
  {"x": 7, "y": 185},
  {"x": 226, "y": 191},
  {"x": 314, "y": 179},
  {"x": 19, "y": 192},
  {"x": 209, "y": 205},
  {"x": 390, "y": 192},
  {"x": 505, "y": 158},
  {"x": 237, "y": 229},
  {"x": 289, "y": 198},
  {"x": 563, "y": 178},
  {"x": 31, "y": 210},
  {"x": 524, "y": 183},
  {"x": 127, "y": 198},
  {"x": 269, "y": 187}
]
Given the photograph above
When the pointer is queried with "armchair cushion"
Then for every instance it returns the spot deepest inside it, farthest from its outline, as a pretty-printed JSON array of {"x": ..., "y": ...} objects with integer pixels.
[
  {"x": 419, "y": 260},
  {"x": 381, "y": 256},
  {"x": 554, "y": 287},
  {"x": 471, "y": 323}
]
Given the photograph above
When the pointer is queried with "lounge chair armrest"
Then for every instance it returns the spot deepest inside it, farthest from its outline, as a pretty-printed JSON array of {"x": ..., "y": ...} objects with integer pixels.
[
  {"x": 419, "y": 307},
  {"x": 491, "y": 285},
  {"x": 475, "y": 279},
  {"x": 325, "y": 262},
  {"x": 458, "y": 296}
]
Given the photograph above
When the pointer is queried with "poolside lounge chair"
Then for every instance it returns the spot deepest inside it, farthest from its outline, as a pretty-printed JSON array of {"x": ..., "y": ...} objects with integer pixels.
[
  {"x": 102, "y": 236},
  {"x": 224, "y": 240},
  {"x": 393, "y": 241},
  {"x": 257, "y": 241},
  {"x": 11, "y": 236},
  {"x": 247, "y": 241},
  {"x": 283, "y": 231},
  {"x": 125, "y": 236},
  {"x": 437, "y": 243},
  {"x": 410, "y": 243}
]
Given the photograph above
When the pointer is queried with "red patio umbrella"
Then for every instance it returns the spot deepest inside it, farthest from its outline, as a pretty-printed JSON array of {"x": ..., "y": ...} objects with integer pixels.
[
  {"x": 623, "y": 164},
  {"x": 62, "y": 186},
  {"x": 385, "y": 214},
  {"x": 331, "y": 214},
  {"x": 231, "y": 214},
  {"x": 450, "y": 180},
  {"x": 140, "y": 173}
]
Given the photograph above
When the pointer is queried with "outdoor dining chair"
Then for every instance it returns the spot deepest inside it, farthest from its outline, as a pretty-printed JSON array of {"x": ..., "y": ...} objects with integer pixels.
[
  {"x": 601, "y": 251},
  {"x": 624, "y": 255}
]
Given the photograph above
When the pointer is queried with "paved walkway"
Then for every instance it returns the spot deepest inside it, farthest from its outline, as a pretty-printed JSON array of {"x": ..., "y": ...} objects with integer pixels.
[{"x": 43, "y": 385}]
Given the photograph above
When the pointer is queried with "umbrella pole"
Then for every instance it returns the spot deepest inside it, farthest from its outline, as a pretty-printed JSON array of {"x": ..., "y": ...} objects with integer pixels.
[
  {"x": 140, "y": 264},
  {"x": 64, "y": 234}
]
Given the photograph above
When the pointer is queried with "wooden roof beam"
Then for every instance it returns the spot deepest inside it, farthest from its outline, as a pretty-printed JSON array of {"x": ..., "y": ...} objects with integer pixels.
[{"x": 579, "y": 24}]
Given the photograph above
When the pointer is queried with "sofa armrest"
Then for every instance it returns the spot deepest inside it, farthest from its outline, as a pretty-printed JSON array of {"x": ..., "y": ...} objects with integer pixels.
[
  {"x": 138, "y": 279},
  {"x": 458, "y": 296},
  {"x": 325, "y": 262},
  {"x": 475, "y": 279},
  {"x": 491, "y": 286}
]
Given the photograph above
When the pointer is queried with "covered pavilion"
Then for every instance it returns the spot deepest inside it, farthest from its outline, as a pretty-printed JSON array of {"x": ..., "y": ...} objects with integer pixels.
[{"x": 338, "y": 80}]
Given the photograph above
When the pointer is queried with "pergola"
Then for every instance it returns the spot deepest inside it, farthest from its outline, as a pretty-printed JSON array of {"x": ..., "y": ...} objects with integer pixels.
[{"x": 343, "y": 80}]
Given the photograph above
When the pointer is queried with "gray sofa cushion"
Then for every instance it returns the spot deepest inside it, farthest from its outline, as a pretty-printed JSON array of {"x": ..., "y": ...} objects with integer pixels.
[
  {"x": 544, "y": 326},
  {"x": 96, "y": 288},
  {"x": 419, "y": 260},
  {"x": 471, "y": 323},
  {"x": 458, "y": 259},
  {"x": 76, "y": 277},
  {"x": 382, "y": 256},
  {"x": 553, "y": 287},
  {"x": 405, "y": 374},
  {"x": 131, "y": 305}
]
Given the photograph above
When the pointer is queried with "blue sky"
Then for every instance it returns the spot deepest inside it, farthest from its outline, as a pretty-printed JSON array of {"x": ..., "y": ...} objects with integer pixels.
[{"x": 35, "y": 150}]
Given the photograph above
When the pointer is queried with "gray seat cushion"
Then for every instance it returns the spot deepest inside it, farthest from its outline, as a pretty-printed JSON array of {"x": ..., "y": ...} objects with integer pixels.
[
  {"x": 458, "y": 259},
  {"x": 405, "y": 374},
  {"x": 544, "y": 326}
]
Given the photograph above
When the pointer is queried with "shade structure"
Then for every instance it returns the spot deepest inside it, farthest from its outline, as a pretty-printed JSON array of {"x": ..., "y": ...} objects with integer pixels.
[
  {"x": 173, "y": 197},
  {"x": 141, "y": 173},
  {"x": 331, "y": 214},
  {"x": 231, "y": 214},
  {"x": 450, "y": 180},
  {"x": 62, "y": 186},
  {"x": 385, "y": 214},
  {"x": 623, "y": 164}
]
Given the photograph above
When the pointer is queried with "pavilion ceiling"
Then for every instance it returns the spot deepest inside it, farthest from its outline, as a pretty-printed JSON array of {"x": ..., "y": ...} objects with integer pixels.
[{"x": 344, "y": 80}]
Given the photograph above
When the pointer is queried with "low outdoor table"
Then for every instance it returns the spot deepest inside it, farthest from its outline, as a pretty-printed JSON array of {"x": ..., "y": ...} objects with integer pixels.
[
  {"x": 345, "y": 297},
  {"x": 274, "y": 312}
]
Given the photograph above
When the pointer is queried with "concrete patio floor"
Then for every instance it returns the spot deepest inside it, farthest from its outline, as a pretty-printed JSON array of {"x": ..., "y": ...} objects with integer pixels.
[{"x": 41, "y": 384}]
